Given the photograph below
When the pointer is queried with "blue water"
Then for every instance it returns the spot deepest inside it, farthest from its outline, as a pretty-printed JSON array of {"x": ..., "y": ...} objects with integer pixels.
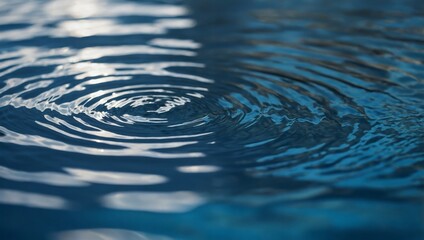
[{"x": 207, "y": 119}]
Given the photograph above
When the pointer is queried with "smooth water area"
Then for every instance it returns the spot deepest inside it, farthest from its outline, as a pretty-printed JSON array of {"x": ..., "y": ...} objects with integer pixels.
[{"x": 207, "y": 119}]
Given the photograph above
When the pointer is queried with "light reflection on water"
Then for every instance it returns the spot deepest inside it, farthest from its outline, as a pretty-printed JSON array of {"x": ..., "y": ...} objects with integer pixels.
[
  {"x": 211, "y": 119},
  {"x": 107, "y": 234},
  {"x": 33, "y": 200}
]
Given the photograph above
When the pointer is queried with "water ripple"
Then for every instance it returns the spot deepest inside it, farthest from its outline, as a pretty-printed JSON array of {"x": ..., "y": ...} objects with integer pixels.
[
  {"x": 283, "y": 108},
  {"x": 164, "y": 107}
]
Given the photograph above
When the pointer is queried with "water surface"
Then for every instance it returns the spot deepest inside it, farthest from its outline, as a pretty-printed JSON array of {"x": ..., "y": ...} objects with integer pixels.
[{"x": 211, "y": 119}]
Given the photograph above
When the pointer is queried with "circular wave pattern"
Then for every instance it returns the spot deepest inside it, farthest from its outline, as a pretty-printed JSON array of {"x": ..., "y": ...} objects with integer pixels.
[
  {"x": 278, "y": 97},
  {"x": 192, "y": 112},
  {"x": 91, "y": 111}
]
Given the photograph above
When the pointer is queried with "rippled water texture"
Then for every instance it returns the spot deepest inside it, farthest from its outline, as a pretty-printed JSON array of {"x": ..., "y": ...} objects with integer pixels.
[{"x": 211, "y": 119}]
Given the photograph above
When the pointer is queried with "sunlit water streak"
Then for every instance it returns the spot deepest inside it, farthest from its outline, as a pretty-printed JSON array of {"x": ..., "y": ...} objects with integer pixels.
[{"x": 211, "y": 119}]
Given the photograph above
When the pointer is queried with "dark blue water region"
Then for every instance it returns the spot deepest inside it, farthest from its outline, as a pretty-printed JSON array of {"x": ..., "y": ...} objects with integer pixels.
[{"x": 236, "y": 119}]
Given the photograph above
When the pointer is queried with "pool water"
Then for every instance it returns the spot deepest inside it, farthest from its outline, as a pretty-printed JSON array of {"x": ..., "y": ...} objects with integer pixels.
[{"x": 169, "y": 119}]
